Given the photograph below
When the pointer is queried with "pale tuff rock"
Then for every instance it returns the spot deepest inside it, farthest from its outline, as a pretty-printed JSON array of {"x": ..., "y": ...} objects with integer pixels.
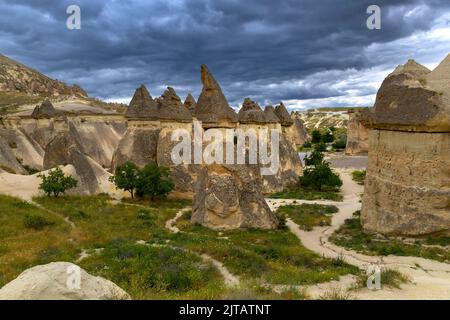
[
  {"x": 283, "y": 115},
  {"x": 8, "y": 161},
  {"x": 357, "y": 135},
  {"x": 407, "y": 189},
  {"x": 190, "y": 103},
  {"x": 212, "y": 106},
  {"x": 50, "y": 282},
  {"x": 230, "y": 197},
  {"x": 297, "y": 132}
]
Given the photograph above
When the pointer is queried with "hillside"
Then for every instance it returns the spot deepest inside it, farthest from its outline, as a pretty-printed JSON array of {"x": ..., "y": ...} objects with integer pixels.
[
  {"x": 22, "y": 87},
  {"x": 321, "y": 119}
]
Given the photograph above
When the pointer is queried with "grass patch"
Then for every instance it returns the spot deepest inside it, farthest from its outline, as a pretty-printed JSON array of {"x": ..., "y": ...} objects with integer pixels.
[
  {"x": 270, "y": 256},
  {"x": 147, "y": 272},
  {"x": 359, "y": 176},
  {"x": 351, "y": 235},
  {"x": 308, "y": 216},
  {"x": 304, "y": 194},
  {"x": 389, "y": 278},
  {"x": 36, "y": 222}
]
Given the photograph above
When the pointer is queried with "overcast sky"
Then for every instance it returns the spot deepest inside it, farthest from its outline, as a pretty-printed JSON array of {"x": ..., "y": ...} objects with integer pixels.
[{"x": 307, "y": 53}]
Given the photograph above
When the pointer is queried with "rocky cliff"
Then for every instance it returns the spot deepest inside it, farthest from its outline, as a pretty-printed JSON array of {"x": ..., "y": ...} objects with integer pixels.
[
  {"x": 357, "y": 135},
  {"x": 407, "y": 189}
]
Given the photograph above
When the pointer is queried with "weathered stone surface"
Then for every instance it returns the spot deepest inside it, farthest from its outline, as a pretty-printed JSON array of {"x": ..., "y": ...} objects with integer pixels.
[
  {"x": 230, "y": 197},
  {"x": 270, "y": 115},
  {"x": 45, "y": 110},
  {"x": 290, "y": 168},
  {"x": 138, "y": 145},
  {"x": 190, "y": 103},
  {"x": 283, "y": 115},
  {"x": 297, "y": 132},
  {"x": 407, "y": 189},
  {"x": 23, "y": 147},
  {"x": 357, "y": 135},
  {"x": 142, "y": 105},
  {"x": 212, "y": 106},
  {"x": 8, "y": 159},
  {"x": 67, "y": 148},
  {"x": 412, "y": 99},
  {"x": 49, "y": 282},
  {"x": 170, "y": 107},
  {"x": 251, "y": 113}
]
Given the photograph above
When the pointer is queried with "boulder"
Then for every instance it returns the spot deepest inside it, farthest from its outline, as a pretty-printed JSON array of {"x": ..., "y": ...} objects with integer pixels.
[
  {"x": 407, "y": 189},
  {"x": 50, "y": 282},
  {"x": 230, "y": 197},
  {"x": 212, "y": 106}
]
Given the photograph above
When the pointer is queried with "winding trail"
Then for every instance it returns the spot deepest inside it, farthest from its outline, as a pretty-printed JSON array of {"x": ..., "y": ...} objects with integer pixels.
[
  {"x": 429, "y": 279},
  {"x": 230, "y": 279}
]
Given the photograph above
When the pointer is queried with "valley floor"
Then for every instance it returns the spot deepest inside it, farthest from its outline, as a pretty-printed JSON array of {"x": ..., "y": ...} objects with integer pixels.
[{"x": 152, "y": 251}]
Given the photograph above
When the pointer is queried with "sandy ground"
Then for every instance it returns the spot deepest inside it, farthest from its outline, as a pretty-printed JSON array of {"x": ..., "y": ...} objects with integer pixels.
[{"x": 429, "y": 279}]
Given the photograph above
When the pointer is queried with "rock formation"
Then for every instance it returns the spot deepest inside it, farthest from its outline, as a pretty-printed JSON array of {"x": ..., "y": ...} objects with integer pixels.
[
  {"x": 251, "y": 113},
  {"x": 228, "y": 196},
  {"x": 142, "y": 105},
  {"x": 212, "y": 106},
  {"x": 270, "y": 115},
  {"x": 357, "y": 135},
  {"x": 49, "y": 282},
  {"x": 407, "y": 188},
  {"x": 45, "y": 110},
  {"x": 190, "y": 103},
  {"x": 298, "y": 132},
  {"x": 283, "y": 115}
]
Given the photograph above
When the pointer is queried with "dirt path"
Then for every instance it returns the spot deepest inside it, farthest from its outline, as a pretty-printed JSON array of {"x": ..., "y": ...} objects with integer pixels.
[
  {"x": 429, "y": 279},
  {"x": 230, "y": 279}
]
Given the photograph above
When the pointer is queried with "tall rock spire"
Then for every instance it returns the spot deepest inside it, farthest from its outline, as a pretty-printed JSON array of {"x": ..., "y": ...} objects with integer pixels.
[{"x": 212, "y": 106}]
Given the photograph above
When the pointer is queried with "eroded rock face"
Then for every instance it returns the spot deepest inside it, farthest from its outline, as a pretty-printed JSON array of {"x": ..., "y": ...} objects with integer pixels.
[
  {"x": 357, "y": 135},
  {"x": 49, "y": 282},
  {"x": 407, "y": 189},
  {"x": 297, "y": 132},
  {"x": 212, "y": 106},
  {"x": 251, "y": 113},
  {"x": 142, "y": 105},
  {"x": 283, "y": 115},
  {"x": 67, "y": 148},
  {"x": 230, "y": 197},
  {"x": 138, "y": 145}
]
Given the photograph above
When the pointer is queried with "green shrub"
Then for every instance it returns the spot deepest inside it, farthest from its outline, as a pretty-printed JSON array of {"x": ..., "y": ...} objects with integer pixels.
[
  {"x": 56, "y": 183},
  {"x": 36, "y": 222},
  {"x": 307, "y": 144},
  {"x": 340, "y": 143},
  {"x": 320, "y": 177}
]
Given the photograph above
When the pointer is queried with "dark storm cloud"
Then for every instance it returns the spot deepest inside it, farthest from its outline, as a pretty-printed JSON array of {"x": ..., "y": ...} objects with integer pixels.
[{"x": 257, "y": 48}]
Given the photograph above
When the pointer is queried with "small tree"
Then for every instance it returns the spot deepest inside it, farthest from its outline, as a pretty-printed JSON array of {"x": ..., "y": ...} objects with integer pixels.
[
  {"x": 154, "y": 181},
  {"x": 314, "y": 158},
  {"x": 316, "y": 136},
  {"x": 56, "y": 183},
  {"x": 320, "y": 177},
  {"x": 126, "y": 177}
]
